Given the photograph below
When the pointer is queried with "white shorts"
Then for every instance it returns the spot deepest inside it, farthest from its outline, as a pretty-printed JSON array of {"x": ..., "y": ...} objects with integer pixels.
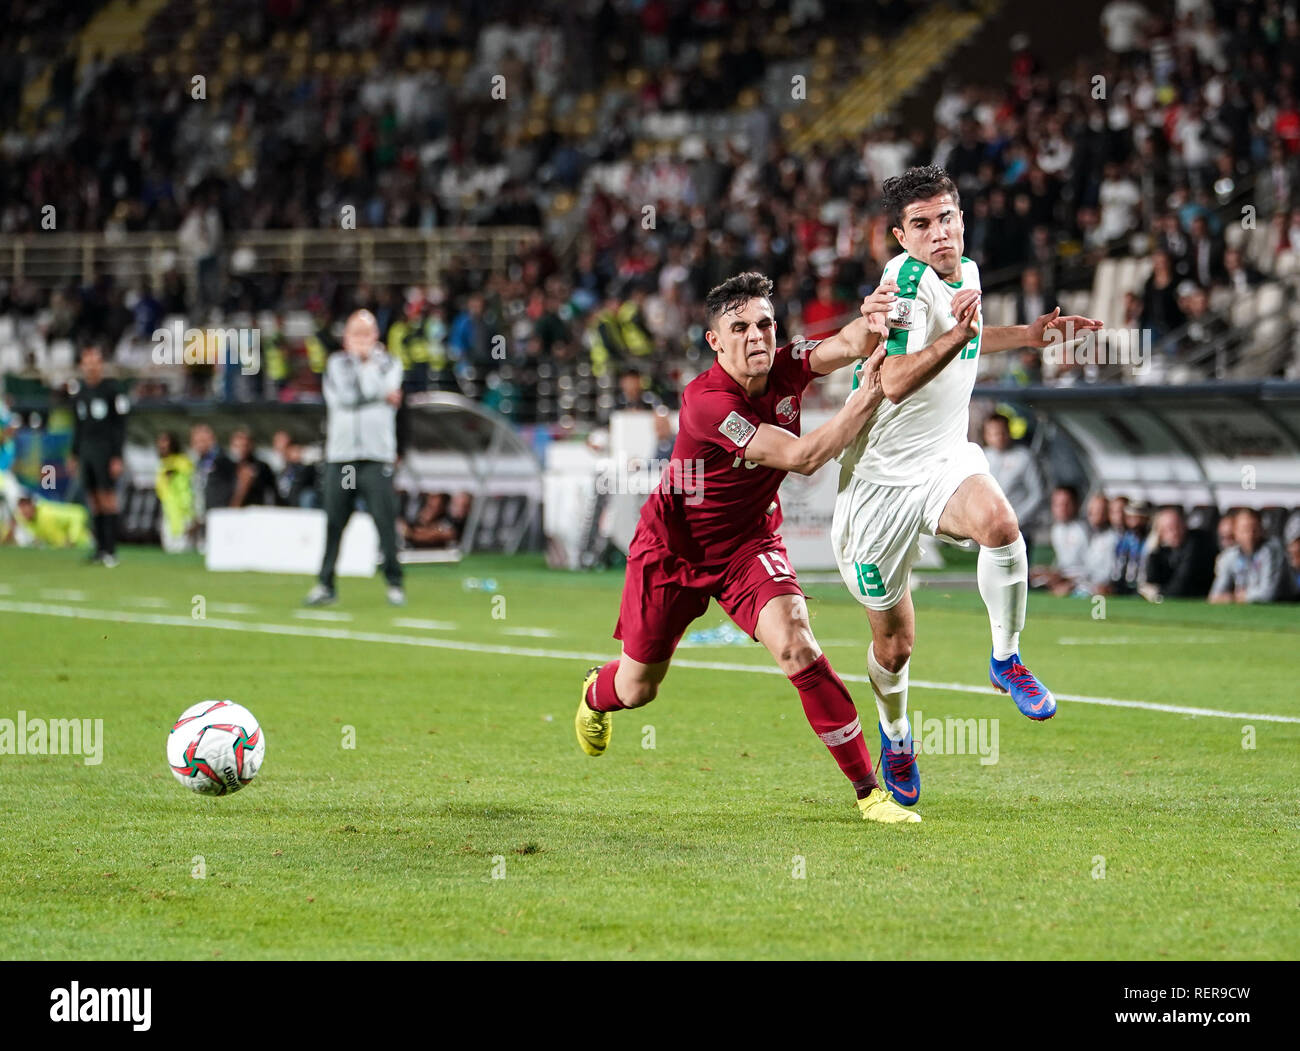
[{"x": 875, "y": 528}]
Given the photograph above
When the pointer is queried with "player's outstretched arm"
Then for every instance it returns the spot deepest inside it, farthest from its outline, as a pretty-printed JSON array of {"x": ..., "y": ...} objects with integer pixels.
[
  {"x": 1036, "y": 335},
  {"x": 860, "y": 337},
  {"x": 776, "y": 447},
  {"x": 903, "y": 374}
]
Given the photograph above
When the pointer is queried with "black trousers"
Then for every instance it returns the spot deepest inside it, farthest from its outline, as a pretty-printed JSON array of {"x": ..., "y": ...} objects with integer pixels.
[{"x": 340, "y": 485}]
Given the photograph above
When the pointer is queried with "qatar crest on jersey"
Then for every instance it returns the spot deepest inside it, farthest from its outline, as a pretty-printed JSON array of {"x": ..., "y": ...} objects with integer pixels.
[
  {"x": 787, "y": 409},
  {"x": 738, "y": 429}
]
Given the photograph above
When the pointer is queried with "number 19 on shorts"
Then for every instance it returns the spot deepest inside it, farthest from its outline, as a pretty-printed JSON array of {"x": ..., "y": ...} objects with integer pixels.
[{"x": 869, "y": 581}]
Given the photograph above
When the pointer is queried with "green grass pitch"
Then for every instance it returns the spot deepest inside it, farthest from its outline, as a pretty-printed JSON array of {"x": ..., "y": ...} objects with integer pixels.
[{"x": 466, "y": 823}]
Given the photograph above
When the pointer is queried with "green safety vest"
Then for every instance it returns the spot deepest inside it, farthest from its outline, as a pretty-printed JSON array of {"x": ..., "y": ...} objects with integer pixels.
[
  {"x": 277, "y": 361},
  {"x": 635, "y": 338},
  {"x": 317, "y": 354}
]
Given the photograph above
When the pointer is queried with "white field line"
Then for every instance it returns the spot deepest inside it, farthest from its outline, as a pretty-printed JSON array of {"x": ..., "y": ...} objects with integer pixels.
[
  {"x": 63, "y": 594},
  {"x": 424, "y": 625},
  {"x": 320, "y": 614},
  {"x": 532, "y": 633},
  {"x": 304, "y": 631},
  {"x": 231, "y": 607},
  {"x": 145, "y": 602},
  {"x": 1199, "y": 640}
]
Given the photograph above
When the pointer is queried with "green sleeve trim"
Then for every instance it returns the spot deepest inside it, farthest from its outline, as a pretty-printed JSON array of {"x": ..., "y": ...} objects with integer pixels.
[
  {"x": 909, "y": 283},
  {"x": 909, "y": 277}
]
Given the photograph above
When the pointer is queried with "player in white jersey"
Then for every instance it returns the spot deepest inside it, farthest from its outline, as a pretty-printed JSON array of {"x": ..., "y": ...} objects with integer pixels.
[{"x": 912, "y": 471}]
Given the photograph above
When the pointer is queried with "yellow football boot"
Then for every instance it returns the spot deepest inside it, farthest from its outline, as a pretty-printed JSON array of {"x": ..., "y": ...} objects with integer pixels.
[
  {"x": 594, "y": 728},
  {"x": 880, "y": 806}
]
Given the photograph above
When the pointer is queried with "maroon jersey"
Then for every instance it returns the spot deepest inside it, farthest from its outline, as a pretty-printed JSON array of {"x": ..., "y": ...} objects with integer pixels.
[{"x": 711, "y": 500}]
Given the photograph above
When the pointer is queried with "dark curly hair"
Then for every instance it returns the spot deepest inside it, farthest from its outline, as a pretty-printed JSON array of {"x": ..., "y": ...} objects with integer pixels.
[
  {"x": 736, "y": 292},
  {"x": 915, "y": 184}
]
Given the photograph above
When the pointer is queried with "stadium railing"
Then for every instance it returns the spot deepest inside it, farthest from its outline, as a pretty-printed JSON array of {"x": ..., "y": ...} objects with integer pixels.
[{"x": 399, "y": 256}]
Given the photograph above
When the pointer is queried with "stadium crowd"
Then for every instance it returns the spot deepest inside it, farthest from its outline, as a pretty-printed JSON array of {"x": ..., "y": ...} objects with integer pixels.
[
  {"x": 1150, "y": 148},
  {"x": 1127, "y": 547},
  {"x": 1119, "y": 546}
]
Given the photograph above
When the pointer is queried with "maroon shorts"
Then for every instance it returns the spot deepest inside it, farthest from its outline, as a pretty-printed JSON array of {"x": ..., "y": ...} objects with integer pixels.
[{"x": 663, "y": 593}]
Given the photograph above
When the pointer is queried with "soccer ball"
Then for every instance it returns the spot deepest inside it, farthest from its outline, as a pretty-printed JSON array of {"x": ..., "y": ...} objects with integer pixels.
[{"x": 216, "y": 747}]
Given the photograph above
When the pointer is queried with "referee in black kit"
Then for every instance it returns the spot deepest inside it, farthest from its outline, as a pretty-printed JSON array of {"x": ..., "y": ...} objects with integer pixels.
[
  {"x": 98, "y": 435},
  {"x": 363, "y": 390}
]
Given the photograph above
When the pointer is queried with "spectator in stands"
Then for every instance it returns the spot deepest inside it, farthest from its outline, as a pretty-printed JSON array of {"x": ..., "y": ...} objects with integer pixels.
[
  {"x": 1132, "y": 315},
  {"x": 1291, "y": 537},
  {"x": 1122, "y": 23},
  {"x": 1255, "y": 568},
  {"x": 432, "y": 528},
  {"x": 1205, "y": 254},
  {"x": 1099, "y": 558},
  {"x": 297, "y": 483},
  {"x": 1026, "y": 368},
  {"x": 1119, "y": 198},
  {"x": 1031, "y": 303},
  {"x": 242, "y": 479},
  {"x": 822, "y": 316},
  {"x": 470, "y": 340},
  {"x": 1239, "y": 275},
  {"x": 1070, "y": 539},
  {"x": 1181, "y": 565},
  {"x": 199, "y": 237},
  {"x": 1160, "y": 310},
  {"x": 1206, "y": 333},
  {"x": 632, "y": 393},
  {"x": 174, "y": 484},
  {"x": 1126, "y": 571},
  {"x": 1016, "y": 472}
]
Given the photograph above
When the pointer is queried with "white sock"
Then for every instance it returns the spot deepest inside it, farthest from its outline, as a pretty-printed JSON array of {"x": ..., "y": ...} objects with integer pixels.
[
  {"x": 1003, "y": 575},
  {"x": 890, "y": 688}
]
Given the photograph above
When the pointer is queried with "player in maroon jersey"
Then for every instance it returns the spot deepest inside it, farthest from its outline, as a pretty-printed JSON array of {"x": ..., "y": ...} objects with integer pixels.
[{"x": 709, "y": 529}]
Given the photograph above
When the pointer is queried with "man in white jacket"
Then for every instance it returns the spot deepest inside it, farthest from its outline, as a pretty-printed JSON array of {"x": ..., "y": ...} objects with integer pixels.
[{"x": 363, "y": 389}]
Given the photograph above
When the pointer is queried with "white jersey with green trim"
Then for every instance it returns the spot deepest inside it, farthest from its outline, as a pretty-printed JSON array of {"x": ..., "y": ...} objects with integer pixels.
[{"x": 902, "y": 444}]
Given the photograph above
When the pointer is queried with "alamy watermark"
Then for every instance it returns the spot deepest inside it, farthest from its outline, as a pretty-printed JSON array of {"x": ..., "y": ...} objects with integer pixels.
[
  {"x": 956, "y": 737},
  {"x": 1126, "y": 347},
  {"x": 640, "y": 477},
  {"x": 93, "y": 1004},
  {"x": 177, "y": 345},
  {"x": 24, "y": 736}
]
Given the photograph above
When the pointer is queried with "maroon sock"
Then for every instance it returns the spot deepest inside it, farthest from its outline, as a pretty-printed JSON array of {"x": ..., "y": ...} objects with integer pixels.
[
  {"x": 601, "y": 697},
  {"x": 834, "y": 718}
]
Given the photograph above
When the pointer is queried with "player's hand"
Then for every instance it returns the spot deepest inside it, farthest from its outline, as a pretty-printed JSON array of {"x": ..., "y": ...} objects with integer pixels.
[
  {"x": 870, "y": 391},
  {"x": 876, "y": 307},
  {"x": 1043, "y": 330},
  {"x": 115, "y": 468},
  {"x": 966, "y": 309},
  {"x": 394, "y": 398},
  {"x": 71, "y": 463}
]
